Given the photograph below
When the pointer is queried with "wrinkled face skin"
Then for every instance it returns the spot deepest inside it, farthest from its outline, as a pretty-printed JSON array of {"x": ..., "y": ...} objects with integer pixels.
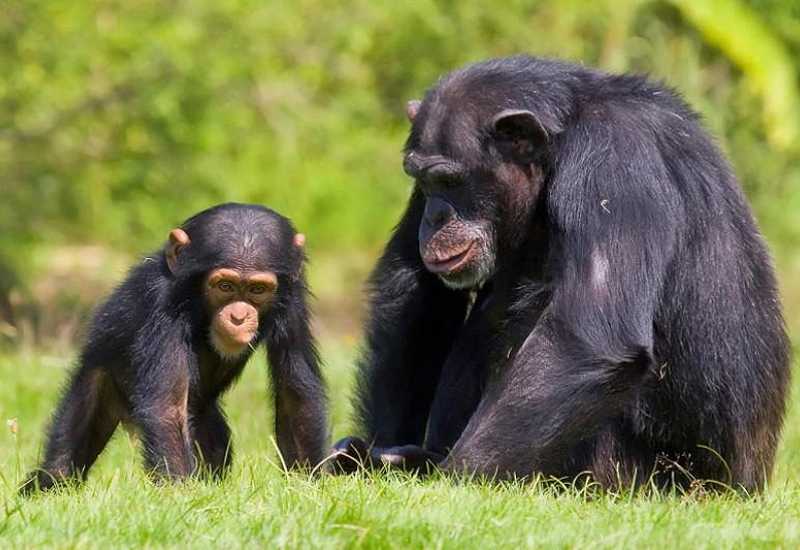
[
  {"x": 477, "y": 204},
  {"x": 236, "y": 300},
  {"x": 457, "y": 240}
]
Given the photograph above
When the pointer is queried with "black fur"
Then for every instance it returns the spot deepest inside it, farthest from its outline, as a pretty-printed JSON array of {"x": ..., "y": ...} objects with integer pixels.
[
  {"x": 148, "y": 361},
  {"x": 626, "y": 318}
]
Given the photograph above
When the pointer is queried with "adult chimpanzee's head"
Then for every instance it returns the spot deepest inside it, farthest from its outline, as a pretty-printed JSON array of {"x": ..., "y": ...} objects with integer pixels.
[
  {"x": 479, "y": 153},
  {"x": 242, "y": 256}
]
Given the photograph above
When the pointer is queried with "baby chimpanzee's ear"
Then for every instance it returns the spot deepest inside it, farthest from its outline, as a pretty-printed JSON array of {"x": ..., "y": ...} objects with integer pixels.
[
  {"x": 177, "y": 240},
  {"x": 299, "y": 243}
]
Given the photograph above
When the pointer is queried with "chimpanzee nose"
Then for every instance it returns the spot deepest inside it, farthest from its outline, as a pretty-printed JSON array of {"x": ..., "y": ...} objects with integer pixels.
[
  {"x": 238, "y": 313},
  {"x": 438, "y": 212}
]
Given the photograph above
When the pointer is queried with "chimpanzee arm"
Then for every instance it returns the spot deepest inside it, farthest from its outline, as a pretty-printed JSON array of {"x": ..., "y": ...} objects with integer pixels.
[
  {"x": 157, "y": 385},
  {"x": 299, "y": 392},
  {"x": 457, "y": 396},
  {"x": 461, "y": 383},
  {"x": 413, "y": 320},
  {"x": 81, "y": 428},
  {"x": 615, "y": 220}
]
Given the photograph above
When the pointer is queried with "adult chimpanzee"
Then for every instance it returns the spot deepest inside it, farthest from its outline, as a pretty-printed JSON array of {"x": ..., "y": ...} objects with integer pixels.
[
  {"x": 577, "y": 285},
  {"x": 177, "y": 333}
]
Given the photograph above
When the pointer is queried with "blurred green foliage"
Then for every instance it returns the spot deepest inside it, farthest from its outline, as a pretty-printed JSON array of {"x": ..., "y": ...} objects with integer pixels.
[{"x": 120, "y": 118}]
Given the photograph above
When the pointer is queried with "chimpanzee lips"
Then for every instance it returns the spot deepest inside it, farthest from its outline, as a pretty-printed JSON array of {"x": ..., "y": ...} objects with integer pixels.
[
  {"x": 231, "y": 346},
  {"x": 455, "y": 261},
  {"x": 239, "y": 338}
]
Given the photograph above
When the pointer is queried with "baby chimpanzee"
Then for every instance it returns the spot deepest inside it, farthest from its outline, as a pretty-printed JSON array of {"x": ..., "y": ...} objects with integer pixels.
[{"x": 175, "y": 335}]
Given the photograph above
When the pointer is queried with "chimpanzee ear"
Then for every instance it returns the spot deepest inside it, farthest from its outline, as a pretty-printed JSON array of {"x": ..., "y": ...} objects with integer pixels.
[
  {"x": 522, "y": 131},
  {"x": 412, "y": 108},
  {"x": 299, "y": 243},
  {"x": 177, "y": 240}
]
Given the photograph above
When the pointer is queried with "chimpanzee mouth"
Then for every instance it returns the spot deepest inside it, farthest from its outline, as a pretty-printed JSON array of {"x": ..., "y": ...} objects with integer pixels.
[
  {"x": 452, "y": 263},
  {"x": 230, "y": 348}
]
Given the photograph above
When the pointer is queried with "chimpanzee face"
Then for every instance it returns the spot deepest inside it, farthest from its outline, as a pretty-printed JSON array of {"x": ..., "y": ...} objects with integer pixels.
[
  {"x": 236, "y": 300},
  {"x": 240, "y": 259},
  {"x": 480, "y": 190},
  {"x": 457, "y": 240}
]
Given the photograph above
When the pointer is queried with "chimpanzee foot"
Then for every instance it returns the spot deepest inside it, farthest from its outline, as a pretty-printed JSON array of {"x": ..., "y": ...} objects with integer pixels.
[{"x": 43, "y": 481}]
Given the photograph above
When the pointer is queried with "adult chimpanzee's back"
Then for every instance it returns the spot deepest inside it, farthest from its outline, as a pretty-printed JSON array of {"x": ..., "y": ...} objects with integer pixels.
[{"x": 577, "y": 284}]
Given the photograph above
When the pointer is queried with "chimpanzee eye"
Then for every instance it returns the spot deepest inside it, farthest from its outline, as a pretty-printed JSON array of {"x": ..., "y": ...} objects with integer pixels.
[
  {"x": 225, "y": 286},
  {"x": 258, "y": 289}
]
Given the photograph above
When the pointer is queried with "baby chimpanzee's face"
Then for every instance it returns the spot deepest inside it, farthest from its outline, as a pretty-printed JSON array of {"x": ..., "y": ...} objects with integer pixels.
[
  {"x": 236, "y": 299},
  {"x": 241, "y": 253}
]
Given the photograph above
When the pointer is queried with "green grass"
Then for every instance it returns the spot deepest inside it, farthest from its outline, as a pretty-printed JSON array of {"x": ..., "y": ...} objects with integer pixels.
[{"x": 260, "y": 506}]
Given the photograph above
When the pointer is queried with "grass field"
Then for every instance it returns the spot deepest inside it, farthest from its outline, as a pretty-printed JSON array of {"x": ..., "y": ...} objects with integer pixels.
[{"x": 260, "y": 506}]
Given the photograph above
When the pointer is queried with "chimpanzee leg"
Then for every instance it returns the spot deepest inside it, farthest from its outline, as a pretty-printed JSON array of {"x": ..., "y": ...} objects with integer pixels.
[
  {"x": 212, "y": 438},
  {"x": 158, "y": 395},
  {"x": 301, "y": 424},
  {"x": 164, "y": 430},
  {"x": 551, "y": 397},
  {"x": 167, "y": 450},
  {"x": 81, "y": 428}
]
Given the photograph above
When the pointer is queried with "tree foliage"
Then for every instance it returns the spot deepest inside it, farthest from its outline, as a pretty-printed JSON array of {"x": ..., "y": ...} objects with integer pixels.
[{"x": 121, "y": 118}]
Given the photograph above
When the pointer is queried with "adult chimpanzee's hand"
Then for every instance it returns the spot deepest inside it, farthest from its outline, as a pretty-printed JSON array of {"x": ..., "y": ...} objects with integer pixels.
[
  {"x": 348, "y": 454},
  {"x": 351, "y": 453}
]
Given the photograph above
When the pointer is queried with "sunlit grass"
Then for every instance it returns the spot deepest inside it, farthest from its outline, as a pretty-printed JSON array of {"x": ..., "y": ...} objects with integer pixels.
[{"x": 259, "y": 505}]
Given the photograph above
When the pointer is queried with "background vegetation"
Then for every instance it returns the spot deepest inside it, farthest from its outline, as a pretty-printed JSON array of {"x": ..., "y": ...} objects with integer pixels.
[{"x": 120, "y": 118}]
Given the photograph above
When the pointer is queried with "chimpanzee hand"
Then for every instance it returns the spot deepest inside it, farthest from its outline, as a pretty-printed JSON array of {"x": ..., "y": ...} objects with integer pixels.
[
  {"x": 351, "y": 453},
  {"x": 410, "y": 458},
  {"x": 348, "y": 454}
]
